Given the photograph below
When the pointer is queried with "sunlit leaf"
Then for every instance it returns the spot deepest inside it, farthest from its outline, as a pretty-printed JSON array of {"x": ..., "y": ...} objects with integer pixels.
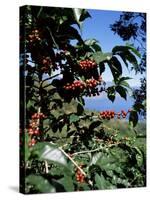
[
  {"x": 122, "y": 91},
  {"x": 41, "y": 184},
  {"x": 73, "y": 118},
  {"x": 50, "y": 152},
  {"x": 99, "y": 57}
]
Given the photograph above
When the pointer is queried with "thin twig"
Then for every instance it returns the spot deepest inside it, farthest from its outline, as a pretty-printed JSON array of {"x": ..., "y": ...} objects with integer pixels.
[
  {"x": 72, "y": 161},
  {"x": 81, "y": 170},
  {"x": 94, "y": 150},
  {"x": 87, "y": 151},
  {"x": 46, "y": 166}
]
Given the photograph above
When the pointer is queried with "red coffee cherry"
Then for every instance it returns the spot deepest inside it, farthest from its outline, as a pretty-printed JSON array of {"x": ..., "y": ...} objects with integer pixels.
[
  {"x": 38, "y": 116},
  {"x": 36, "y": 131},
  {"x": 76, "y": 85},
  {"x": 32, "y": 142},
  {"x": 87, "y": 64},
  {"x": 123, "y": 113},
  {"x": 91, "y": 83},
  {"x": 79, "y": 176},
  {"x": 30, "y": 131},
  {"x": 34, "y": 123},
  {"x": 110, "y": 114}
]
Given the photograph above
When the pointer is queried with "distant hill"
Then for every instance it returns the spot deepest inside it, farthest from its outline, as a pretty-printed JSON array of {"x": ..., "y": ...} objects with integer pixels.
[{"x": 101, "y": 102}]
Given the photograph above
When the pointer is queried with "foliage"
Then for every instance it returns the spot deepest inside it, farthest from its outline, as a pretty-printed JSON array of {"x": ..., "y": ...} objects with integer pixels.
[
  {"x": 132, "y": 27},
  {"x": 62, "y": 147}
]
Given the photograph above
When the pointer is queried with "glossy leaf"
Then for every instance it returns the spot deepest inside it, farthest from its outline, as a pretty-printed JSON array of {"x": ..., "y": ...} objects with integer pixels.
[
  {"x": 93, "y": 44},
  {"x": 115, "y": 67},
  {"x": 122, "y": 91},
  {"x": 99, "y": 57},
  {"x": 80, "y": 15},
  {"x": 94, "y": 125},
  {"x": 80, "y": 109},
  {"x": 50, "y": 152},
  {"x": 126, "y": 55},
  {"x": 101, "y": 182},
  {"x": 41, "y": 184},
  {"x": 95, "y": 157},
  {"x": 133, "y": 118},
  {"x": 134, "y": 50},
  {"x": 73, "y": 118},
  {"x": 111, "y": 93},
  {"x": 67, "y": 182}
]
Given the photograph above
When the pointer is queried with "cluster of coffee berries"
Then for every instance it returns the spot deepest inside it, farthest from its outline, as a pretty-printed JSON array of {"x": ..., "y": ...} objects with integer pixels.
[
  {"x": 110, "y": 114},
  {"x": 34, "y": 124},
  {"x": 76, "y": 85},
  {"x": 34, "y": 36},
  {"x": 79, "y": 176},
  {"x": 39, "y": 115},
  {"x": 81, "y": 85},
  {"x": 87, "y": 64},
  {"x": 90, "y": 83}
]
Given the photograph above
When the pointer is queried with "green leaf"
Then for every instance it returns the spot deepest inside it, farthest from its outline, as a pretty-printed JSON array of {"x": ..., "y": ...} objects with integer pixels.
[
  {"x": 133, "y": 118},
  {"x": 132, "y": 59},
  {"x": 69, "y": 108},
  {"x": 77, "y": 14},
  {"x": 80, "y": 109},
  {"x": 119, "y": 49},
  {"x": 99, "y": 57},
  {"x": 27, "y": 150},
  {"x": 122, "y": 82},
  {"x": 31, "y": 105},
  {"x": 124, "y": 78},
  {"x": 138, "y": 106},
  {"x": 72, "y": 33},
  {"x": 134, "y": 50},
  {"x": 50, "y": 152},
  {"x": 41, "y": 184},
  {"x": 67, "y": 182},
  {"x": 101, "y": 182},
  {"x": 80, "y": 15},
  {"x": 122, "y": 91},
  {"x": 94, "y": 44},
  {"x": 122, "y": 56},
  {"x": 94, "y": 124},
  {"x": 111, "y": 93},
  {"x": 85, "y": 14},
  {"x": 115, "y": 67},
  {"x": 126, "y": 55},
  {"x": 139, "y": 156},
  {"x": 125, "y": 84},
  {"x": 96, "y": 156},
  {"x": 102, "y": 68},
  {"x": 73, "y": 118}
]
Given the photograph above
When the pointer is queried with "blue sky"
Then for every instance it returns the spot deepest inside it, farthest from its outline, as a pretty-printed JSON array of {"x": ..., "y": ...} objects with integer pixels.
[{"x": 98, "y": 27}]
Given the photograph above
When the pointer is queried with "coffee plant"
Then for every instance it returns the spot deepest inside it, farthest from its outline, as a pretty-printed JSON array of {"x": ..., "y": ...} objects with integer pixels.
[{"x": 62, "y": 146}]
